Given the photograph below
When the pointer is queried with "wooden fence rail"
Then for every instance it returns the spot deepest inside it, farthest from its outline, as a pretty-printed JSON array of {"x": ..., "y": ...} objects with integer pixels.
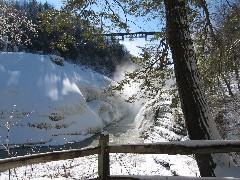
[
  {"x": 179, "y": 147},
  {"x": 15, "y": 162},
  {"x": 103, "y": 150}
]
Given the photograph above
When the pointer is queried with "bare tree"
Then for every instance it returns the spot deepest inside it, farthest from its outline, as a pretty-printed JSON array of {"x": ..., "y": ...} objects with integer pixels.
[
  {"x": 199, "y": 120},
  {"x": 14, "y": 25}
]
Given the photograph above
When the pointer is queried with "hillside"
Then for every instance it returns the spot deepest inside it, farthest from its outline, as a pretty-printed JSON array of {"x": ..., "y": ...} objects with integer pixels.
[{"x": 49, "y": 103}]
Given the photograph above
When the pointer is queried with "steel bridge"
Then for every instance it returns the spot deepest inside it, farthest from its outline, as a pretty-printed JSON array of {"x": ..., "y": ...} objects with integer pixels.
[{"x": 132, "y": 35}]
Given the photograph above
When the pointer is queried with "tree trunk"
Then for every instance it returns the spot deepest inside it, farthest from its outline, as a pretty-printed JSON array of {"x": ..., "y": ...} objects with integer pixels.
[
  {"x": 236, "y": 69},
  {"x": 199, "y": 120},
  {"x": 228, "y": 84}
]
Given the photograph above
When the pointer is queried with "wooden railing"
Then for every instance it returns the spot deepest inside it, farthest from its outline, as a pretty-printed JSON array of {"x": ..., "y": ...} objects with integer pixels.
[{"x": 104, "y": 149}]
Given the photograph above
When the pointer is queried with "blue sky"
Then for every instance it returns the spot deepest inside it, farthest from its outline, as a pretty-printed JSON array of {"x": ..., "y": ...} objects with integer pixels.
[
  {"x": 56, "y": 3},
  {"x": 137, "y": 26}
]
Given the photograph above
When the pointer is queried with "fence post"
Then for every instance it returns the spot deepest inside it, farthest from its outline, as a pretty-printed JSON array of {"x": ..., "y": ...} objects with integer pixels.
[{"x": 103, "y": 157}]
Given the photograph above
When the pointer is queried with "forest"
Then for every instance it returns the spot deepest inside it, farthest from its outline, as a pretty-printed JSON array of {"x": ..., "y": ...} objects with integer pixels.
[
  {"x": 198, "y": 48},
  {"x": 24, "y": 25}
]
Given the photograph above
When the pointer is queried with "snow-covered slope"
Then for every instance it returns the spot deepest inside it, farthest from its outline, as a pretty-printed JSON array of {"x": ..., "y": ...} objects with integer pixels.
[
  {"x": 42, "y": 102},
  {"x": 123, "y": 164}
]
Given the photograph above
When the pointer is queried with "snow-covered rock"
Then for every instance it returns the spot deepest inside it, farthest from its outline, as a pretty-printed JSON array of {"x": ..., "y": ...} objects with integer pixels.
[
  {"x": 43, "y": 102},
  {"x": 159, "y": 123}
]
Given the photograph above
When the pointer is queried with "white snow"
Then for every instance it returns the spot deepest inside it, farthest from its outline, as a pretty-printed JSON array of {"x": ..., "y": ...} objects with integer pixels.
[
  {"x": 120, "y": 164},
  {"x": 73, "y": 97},
  {"x": 50, "y": 103}
]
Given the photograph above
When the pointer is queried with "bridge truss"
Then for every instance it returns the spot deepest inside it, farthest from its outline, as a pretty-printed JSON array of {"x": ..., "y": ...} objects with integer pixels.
[{"x": 122, "y": 36}]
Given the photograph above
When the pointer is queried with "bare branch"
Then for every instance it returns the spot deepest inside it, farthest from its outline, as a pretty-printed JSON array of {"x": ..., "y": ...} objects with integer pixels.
[{"x": 234, "y": 8}]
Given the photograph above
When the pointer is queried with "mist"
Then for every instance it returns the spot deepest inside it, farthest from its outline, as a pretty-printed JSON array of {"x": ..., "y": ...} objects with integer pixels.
[{"x": 133, "y": 108}]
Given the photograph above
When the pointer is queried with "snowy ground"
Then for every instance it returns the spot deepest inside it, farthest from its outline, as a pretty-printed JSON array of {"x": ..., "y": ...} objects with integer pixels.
[
  {"x": 47, "y": 101},
  {"x": 54, "y": 103},
  {"x": 120, "y": 164},
  {"x": 69, "y": 105}
]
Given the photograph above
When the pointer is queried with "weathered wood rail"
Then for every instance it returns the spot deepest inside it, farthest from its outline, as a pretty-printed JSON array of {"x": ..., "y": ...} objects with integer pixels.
[
  {"x": 104, "y": 149},
  {"x": 14, "y": 162}
]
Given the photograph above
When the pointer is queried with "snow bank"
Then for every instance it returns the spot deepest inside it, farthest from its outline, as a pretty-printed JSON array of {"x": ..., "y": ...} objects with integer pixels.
[
  {"x": 44, "y": 102},
  {"x": 159, "y": 123},
  {"x": 122, "y": 164}
]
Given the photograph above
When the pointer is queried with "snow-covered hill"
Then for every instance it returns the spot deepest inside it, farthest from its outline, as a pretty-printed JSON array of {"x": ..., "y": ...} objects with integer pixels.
[
  {"x": 51, "y": 103},
  {"x": 42, "y": 102},
  {"x": 122, "y": 164}
]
